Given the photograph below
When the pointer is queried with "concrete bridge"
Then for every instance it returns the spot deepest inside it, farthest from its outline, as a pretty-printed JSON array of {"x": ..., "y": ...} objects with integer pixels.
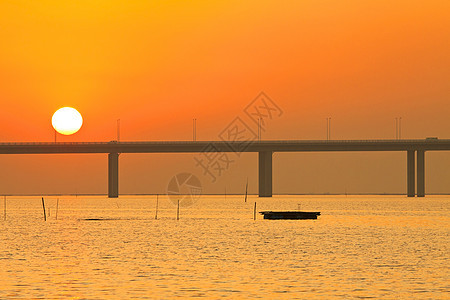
[{"x": 415, "y": 154}]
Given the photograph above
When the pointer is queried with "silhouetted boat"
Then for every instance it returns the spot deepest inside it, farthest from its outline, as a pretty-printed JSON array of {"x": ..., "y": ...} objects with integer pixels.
[{"x": 289, "y": 215}]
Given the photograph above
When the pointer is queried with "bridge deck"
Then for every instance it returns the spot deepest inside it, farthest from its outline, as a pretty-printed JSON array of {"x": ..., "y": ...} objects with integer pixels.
[{"x": 224, "y": 146}]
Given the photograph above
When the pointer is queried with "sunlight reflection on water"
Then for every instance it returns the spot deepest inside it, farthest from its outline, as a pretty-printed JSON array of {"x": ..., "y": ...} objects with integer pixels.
[{"x": 373, "y": 246}]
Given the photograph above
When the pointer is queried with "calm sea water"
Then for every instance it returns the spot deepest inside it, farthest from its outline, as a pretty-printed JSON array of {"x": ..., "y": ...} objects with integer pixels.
[{"x": 360, "y": 247}]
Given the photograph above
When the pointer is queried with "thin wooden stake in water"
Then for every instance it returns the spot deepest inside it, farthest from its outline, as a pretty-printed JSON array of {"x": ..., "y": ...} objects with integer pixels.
[
  {"x": 246, "y": 190},
  {"x": 4, "y": 206},
  {"x": 178, "y": 210},
  {"x": 57, "y": 205},
  {"x": 43, "y": 206},
  {"x": 156, "y": 212},
  {"x": 254, "y": 212}
]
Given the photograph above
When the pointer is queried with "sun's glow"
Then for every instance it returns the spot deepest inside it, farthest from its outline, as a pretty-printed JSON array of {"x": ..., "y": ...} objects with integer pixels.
[{"x": 67, "y": 120}]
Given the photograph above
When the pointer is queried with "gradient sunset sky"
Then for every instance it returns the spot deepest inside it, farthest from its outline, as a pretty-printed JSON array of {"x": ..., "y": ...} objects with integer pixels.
[{"x": 156, "y": 65}]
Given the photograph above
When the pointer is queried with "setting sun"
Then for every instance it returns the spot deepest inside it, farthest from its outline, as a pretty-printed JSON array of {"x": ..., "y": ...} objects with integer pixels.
[{"x": 67, "y": 120}]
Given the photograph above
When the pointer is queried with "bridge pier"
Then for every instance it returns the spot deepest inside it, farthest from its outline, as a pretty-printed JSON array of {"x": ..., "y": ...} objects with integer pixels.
[
  {"x": 420, "y": 173},
  {"x": 265, "y": 173},
  {"x": 411, "y": 173},
  {"x": 113, "y": 175}
]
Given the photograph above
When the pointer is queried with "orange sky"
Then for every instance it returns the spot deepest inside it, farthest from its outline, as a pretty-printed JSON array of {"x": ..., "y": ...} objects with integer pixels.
[{"x": 158, "y": 64}]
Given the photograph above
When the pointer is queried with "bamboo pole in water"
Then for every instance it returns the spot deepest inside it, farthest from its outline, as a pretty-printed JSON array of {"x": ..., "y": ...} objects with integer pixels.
[
  {"x": 178, "y": 210},
  {"x": 57, "y": 206},
  {"x": 43, "y": 206},
  {"x": 156, "y": 211},
  {"x": 246, "y": 189},
  {"x": 254, "y": 212}
]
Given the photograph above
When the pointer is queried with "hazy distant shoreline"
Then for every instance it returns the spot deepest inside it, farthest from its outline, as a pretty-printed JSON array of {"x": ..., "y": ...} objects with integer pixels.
[{"x": 212, "y": 194}]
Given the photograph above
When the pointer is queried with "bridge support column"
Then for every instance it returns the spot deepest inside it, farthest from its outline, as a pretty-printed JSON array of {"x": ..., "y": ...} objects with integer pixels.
[
  {"x": 265, "y": 173},
  {"x": 410, "y": 173},
  {"x": 420, "y": 173},
  {"x": 113, "y": 175}
]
